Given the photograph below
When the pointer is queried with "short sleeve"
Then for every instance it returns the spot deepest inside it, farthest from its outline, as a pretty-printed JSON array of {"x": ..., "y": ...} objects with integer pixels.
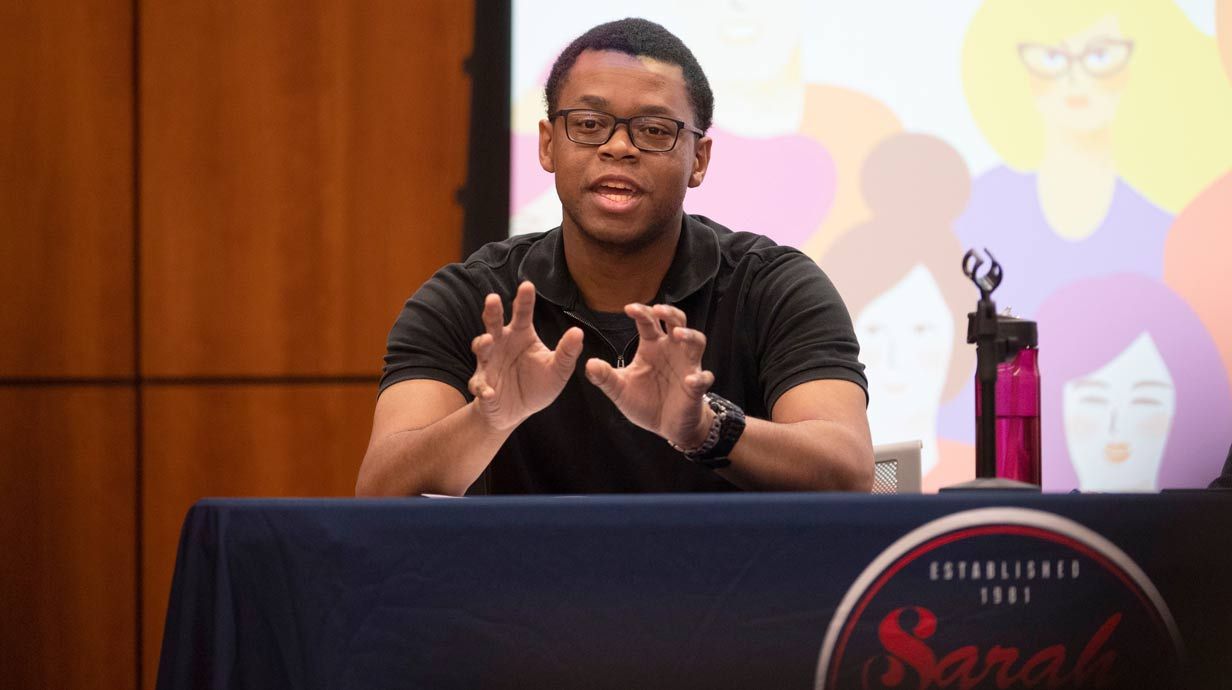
[
  {"x": 1224, "y": 480},
  {"x": 432, "y": 337},
  {"x": 804, "y": 329}
]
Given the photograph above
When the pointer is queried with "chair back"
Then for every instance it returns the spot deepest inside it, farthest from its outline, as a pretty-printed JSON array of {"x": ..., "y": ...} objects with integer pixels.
[{"x": 897, "y": 468}]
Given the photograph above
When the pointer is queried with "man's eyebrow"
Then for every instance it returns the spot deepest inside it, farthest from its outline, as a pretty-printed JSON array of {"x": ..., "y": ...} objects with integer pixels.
[
  {"x": 599, "y": 102},
  {"x": 1148, "y": 383},
  {"x": 594, "y": 101},
  {"x": 655, "y": 110}
]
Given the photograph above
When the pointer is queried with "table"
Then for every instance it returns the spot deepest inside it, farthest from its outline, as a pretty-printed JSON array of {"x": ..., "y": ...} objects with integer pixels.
[{"x": 713, "y": 591}]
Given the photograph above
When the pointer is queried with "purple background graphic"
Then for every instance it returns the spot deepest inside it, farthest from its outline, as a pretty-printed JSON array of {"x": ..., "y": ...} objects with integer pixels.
[
  {"x": 1004, "y": 215},
  {"x": 1086, "y": 324}
]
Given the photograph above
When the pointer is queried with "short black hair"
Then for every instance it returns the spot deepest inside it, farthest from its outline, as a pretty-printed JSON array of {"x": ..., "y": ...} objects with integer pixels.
[{"x": 639, "y": 38}]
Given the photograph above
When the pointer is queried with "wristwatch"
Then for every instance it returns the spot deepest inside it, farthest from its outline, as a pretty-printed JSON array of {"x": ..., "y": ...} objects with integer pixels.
[{"x": 725, "y": 430}]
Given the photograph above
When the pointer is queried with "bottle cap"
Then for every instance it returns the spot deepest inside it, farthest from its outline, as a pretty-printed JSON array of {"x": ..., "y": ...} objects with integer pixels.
[{"x": 1019, "y": 333}]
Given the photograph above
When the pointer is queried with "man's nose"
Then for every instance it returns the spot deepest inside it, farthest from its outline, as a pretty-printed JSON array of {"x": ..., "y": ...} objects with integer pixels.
[{"x": 620, "y": 144}]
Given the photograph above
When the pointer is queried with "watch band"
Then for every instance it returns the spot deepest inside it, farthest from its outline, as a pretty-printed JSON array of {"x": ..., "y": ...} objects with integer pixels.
[{"x": 725, "y": 430}]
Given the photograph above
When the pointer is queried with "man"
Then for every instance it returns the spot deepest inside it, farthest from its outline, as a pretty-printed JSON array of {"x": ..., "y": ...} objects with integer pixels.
[
  {"x": 1224, "y": 480},
  {"x": 743, "y": 373}
]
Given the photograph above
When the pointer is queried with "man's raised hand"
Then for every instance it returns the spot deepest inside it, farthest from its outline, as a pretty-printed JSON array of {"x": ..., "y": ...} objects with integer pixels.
[
  {"x": 661, "y": 390},
  {"x": 516, "y": 375}
]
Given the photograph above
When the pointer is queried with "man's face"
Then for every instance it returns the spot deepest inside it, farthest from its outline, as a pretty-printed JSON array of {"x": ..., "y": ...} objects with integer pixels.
[{"x": 615, "y": 194}]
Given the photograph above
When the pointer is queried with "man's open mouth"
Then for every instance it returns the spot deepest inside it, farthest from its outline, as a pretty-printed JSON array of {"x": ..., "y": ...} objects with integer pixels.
[
  {"x": 615, "y": 193},
  {"x": 616, "y": 190}
]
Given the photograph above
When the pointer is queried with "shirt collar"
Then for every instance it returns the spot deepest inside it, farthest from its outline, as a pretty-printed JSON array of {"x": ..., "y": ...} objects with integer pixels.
[{"x": 696, "y": 263}]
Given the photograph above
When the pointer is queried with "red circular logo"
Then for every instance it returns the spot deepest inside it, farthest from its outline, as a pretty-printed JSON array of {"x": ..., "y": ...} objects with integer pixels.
[{"x": 1001, "y": 598}]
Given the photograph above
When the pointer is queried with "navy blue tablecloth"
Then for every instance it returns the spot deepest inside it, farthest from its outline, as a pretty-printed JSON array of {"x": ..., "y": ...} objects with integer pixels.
[{"x": 686, "y": 591}]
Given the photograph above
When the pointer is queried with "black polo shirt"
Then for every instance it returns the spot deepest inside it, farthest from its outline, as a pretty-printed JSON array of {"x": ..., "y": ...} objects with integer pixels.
[{"x": 772, "y": 321}]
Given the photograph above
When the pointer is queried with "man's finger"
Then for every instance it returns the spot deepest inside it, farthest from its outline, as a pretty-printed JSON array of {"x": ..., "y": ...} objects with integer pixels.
[
  {"x": 694, "y": 343},
  {"x": 697, "y": 384},
  {"x": 603, "y": 375},
  {"x": 673, "y": 317},
  {"x": 567, "y": 352},
  {"x": 482, "y": 347},
  {"x": 647, "y": 325},
  {"x": 493, "y": 315},
  {"x": 523, "y": 306}
]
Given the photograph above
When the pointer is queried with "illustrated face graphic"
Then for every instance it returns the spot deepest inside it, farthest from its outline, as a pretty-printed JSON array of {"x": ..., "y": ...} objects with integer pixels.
[
  {"x": 1117, "y": 419},
  {"x": 906, "y": 338},
  {"x": 1077, "y": 83},
  {"x": 743, "y": 40}
]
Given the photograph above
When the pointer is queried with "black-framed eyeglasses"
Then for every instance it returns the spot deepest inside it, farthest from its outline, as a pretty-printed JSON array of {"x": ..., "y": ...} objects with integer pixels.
[{"x": 652, "y": 133}]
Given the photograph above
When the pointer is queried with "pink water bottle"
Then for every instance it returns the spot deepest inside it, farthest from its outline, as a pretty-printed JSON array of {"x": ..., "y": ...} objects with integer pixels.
[
  {"x": 1017, "y": 403},
  {"x": 1007, "y": 389}
]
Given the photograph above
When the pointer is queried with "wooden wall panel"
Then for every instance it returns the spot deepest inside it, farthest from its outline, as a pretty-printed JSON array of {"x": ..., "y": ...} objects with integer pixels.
[
  {"x": 68, "y": 590},
  {"x": 270, "y": 440},
  {"x": 66, "y": 188},
  {"x": 300, "y": 161}
]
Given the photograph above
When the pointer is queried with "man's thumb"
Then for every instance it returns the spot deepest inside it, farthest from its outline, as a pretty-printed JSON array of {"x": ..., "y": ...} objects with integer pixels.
[{"x": 602, "y": 375}]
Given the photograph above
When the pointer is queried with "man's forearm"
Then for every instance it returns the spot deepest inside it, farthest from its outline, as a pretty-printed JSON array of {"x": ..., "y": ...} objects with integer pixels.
[
  {"x": 809, "y": 455},
  {"x": 445, "y": 457}
]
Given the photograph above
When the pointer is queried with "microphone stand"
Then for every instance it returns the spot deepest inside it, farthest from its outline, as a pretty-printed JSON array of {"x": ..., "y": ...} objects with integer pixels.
[{"x": 991, "y": 349}]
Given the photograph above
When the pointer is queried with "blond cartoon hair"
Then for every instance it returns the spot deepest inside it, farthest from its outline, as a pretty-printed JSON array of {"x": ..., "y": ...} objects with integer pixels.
[{"x": 1172, "y": 133}]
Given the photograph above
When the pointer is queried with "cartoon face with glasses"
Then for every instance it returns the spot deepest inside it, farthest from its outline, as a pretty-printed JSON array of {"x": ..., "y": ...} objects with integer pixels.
[{"x": 1077, "y": 85}]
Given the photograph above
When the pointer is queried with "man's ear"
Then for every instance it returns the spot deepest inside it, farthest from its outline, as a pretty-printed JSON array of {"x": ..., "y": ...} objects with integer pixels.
[
  {"x": 545, "y": 146},
  {"x": 701, "y": 161}
]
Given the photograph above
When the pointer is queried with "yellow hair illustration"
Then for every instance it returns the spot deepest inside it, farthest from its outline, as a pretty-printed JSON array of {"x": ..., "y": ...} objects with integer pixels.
[{"x": 1172, "y": 132}]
